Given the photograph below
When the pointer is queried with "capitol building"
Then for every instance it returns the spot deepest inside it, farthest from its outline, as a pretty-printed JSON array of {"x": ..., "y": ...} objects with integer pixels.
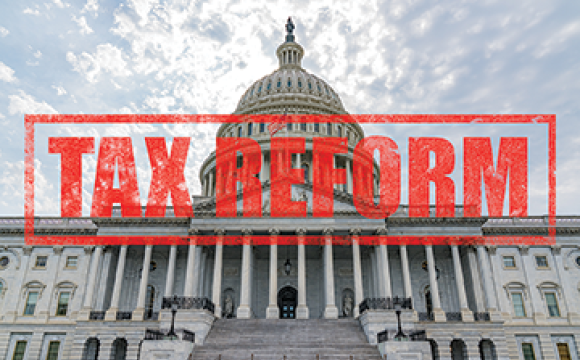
[{"x": 296, "y": 302}]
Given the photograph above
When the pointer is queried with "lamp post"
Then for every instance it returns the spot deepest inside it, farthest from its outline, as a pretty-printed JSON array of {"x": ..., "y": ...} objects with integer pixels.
[
  {"x": 171, "y": 334},
  {"x": 400, "y": 336}
]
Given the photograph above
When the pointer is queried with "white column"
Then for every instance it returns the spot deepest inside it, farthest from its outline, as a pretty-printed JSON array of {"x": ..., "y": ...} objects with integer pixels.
[
  {"x": 466, "y": 314},
  {"x": 217, "y": 273},
  {"x": 111, "y": 314},
  {"x": 384, "y": 261},
  {"x": 406, "y": 272},
  {"x": 437, "y": 310},
  {"x": 263, "y": 170},
  {"x": 197, "y": 269},
  {"x": 348, "y": 176},
  {"x": 244, "y": 310},
  {"x": 330, "y": 311},
  {"x": 379, "y": 271},
  {"x": 272, "y": 312},
  {"x": 357, "y": 271},
  {"x": 486, "y": 278},
  {"x": 93, "y": 272},
  {"x": 302, "y": 311},
  {"x": 190, "y": 269},
  {"x": 170, "y": 271},
  {"x": 139, "y": 312}
]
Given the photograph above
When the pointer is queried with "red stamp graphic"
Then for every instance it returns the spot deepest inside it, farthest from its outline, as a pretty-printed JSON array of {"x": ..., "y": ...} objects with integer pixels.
[{"x": 372, "y": 186}]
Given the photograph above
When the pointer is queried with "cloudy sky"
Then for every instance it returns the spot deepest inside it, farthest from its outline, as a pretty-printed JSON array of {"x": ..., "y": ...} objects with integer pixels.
[{"x": 152, "y": 57}]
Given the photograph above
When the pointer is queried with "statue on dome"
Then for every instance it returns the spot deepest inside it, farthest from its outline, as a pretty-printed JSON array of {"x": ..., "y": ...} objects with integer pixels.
[{"x": 289, "y": 29}]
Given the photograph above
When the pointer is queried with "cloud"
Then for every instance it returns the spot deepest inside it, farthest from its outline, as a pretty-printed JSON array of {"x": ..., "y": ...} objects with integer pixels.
[
  {"x": 4, "y": 32},
  {"x": 107, "y": 58},
  {"x": 59, "y": 90},
  {"x": 82, "y": 23},
  {"x": 30, "y": 11},
  {"x": 91, "y": 6},
  {"x": 6, "y": 73},
  {"x": 23, "y": 103}
]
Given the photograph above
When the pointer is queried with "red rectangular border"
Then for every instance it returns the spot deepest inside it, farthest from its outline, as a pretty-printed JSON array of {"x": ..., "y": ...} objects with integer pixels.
[{"x": 31, "y": 120}]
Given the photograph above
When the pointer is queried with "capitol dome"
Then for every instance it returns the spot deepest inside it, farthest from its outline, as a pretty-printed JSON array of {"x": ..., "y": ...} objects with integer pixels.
[{"x": 290, "y": 88}]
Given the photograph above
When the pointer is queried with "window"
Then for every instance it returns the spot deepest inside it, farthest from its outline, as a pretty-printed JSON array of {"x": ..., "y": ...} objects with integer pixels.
[
  {"x": 279, "y": 83},
  {"x": 269, "y": 86},
  {"x": 250, "y": 129},
  {"x": 71, "y": 262},
  {"x": 53, "y": 348},
  {"x": 509, "y": 262},
  {"x": 31, "y": 303},
  {"x": 542, "y": 261},
  {"x": 317, "y": 127},
  {"x": 289, "y": 127},
  {"x": 40, "y": 261},
  {"x": 563, "y": 351},
  {"x": 4, "y": 261},
  {"x": 260, "y": 89},
  {"x": 19, "y": 350},
  {"x": 309, "y": 86},
  {"x": 289, "y": 83},
  {"x": 528, "y": 351},
  {"x": 329, "y": 129},
  {"x": 319, "y": 90},
  {"x": 240, "y": 131},
  {"x": 339, "y": 131},
  {"x": 299, "y": 83},
  {"x": 62, "y": 306},
  {"x": 262, "y": 127},
  {"x": 552, "y": 303},
  {"x": 303, "y": 127},
  {"x": 518, "y": 301}
]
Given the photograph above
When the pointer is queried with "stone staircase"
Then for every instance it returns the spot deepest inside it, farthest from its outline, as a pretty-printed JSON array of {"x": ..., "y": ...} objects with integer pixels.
[{"x": 235, "y": 339}]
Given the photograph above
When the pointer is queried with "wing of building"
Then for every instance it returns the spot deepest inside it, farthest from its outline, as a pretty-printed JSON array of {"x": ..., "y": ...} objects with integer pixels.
[{"x": 290, "y": 301}]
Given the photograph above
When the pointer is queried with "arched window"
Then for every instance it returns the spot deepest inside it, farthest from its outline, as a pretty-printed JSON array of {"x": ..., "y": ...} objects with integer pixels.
[
  {"x": 240, "y": 131},
  {"x": 119, "y": 350},
  {"x": 279, "y": 84},
  {"x": 299, "y": 83},
  {"x": 250, "y": 129},
  {"x": 309, "y": 86},
  {"x": 339, "y": 131},
  {"x": 260, "y": 89},
  {"x": 289, "y": 83},
  {"x": 64, "y": 293},
  {"x": 32, "y": 292},
  {"x": 269, "y": 86},
  {"x": 91, "y": 349}
]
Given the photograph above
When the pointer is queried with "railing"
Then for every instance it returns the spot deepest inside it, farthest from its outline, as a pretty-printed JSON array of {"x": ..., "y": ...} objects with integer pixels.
[
  {"x": 152, "y": 315},
  {"x": 188, "y": 336},
  {"x": 154, "y": 335},
  {"x": 124, "y": 315},
  {"x": 188, "y": 302},
  {"x": 383, "y": 336},
  {"x": 426, "y": 316},
  {"x": 385, "y": 303},
  {"x": 481, "y": 316},
  {"x": 97, "y": 315},
  {"x": 419, "y": 335},
  {"x": 453, "y": 316}
]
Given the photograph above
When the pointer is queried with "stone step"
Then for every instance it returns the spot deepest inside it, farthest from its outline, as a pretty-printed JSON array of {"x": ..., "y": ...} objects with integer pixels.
[{"x": 237, "y": 339}]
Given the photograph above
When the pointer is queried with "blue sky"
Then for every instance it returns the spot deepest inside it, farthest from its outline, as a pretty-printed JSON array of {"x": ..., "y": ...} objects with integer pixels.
[{"x": 146, "y": 56}]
